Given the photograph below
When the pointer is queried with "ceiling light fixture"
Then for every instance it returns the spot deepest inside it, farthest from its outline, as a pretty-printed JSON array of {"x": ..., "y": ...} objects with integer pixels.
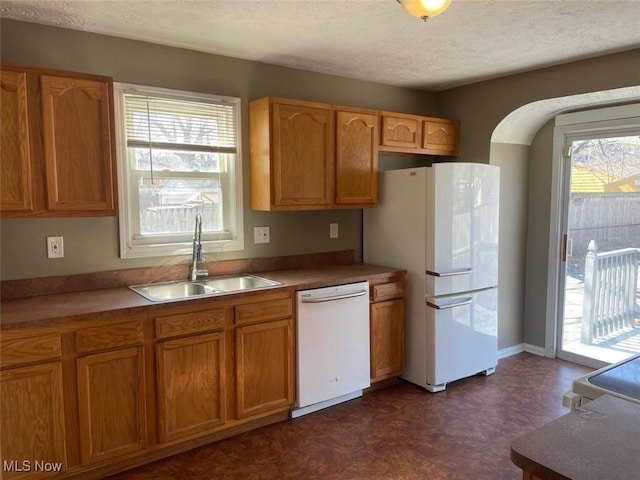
[{"x": 424, "y": 8}]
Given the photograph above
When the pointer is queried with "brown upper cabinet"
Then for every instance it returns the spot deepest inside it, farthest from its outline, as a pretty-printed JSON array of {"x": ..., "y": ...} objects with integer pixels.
[
  {"x": 405, "y": 133},
  {"x": 57, "y": 143},
  {"x": 399, "y": 132},
  {"x": 356, "y": 156},
  {"x": 309, "y": 155},
  {"x": 17, "y": 175}
]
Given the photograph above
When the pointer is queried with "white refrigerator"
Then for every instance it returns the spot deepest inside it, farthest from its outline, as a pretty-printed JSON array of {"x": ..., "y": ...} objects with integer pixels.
[{"x": 440, "y": 223}]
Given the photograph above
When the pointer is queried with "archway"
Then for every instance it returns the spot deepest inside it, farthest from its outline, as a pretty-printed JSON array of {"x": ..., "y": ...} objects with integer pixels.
[{"x": 529, "y": 231}]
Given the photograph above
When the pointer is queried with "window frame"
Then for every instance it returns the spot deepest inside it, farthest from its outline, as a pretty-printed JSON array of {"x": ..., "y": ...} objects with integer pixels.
[{"x": 232, "y": 239}]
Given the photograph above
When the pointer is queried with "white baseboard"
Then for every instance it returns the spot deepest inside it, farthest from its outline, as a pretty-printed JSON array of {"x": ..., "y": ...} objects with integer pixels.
[
  {"x": 540, "y": 351},
  {"x": 509, "y": 351},
  {"x": 522, "y": 347}
]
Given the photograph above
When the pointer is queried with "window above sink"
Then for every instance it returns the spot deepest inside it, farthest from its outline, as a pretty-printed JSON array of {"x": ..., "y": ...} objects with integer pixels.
[{"x": 178, "y": 156}]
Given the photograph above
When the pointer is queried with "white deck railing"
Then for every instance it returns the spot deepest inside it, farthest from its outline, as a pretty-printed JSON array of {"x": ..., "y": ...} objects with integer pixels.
[{"x": 610, "y": 283}]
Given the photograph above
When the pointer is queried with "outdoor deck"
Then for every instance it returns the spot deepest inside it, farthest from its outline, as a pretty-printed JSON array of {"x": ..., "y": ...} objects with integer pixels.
[{"x": 609, "y": 350}]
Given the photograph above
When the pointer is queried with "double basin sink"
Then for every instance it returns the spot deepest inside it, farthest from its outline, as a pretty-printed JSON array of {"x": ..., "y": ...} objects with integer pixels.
[{"x": 183, "y": 289}]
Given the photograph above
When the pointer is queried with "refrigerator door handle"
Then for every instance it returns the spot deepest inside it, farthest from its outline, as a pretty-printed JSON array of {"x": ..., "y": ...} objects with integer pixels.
[
  {"x": 452, "y": 273},
  {"x": 463, "y": 301}
]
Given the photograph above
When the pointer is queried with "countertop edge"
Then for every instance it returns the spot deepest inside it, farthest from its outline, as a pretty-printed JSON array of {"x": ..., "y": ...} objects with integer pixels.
[{"x": 58, "y": 309}]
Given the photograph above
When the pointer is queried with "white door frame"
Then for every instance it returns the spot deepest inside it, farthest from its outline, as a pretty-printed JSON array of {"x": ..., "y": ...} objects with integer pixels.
[{"x": 568, "y": 127}]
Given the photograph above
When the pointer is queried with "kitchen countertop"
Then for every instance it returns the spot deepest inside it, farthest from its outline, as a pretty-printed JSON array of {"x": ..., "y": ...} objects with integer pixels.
[
  {"x": 51, "y": 309},
  {"x": 598, "y": 441}
]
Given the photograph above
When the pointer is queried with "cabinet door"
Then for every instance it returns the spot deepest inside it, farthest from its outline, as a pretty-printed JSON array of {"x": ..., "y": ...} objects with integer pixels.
[
  {"x": 191, "y": 385},
  {"x": 112, "y": 407},
  {"x": 16, "y": 194},
  {"x": 78, "y": 145},
  {"x": 400, "y": 132},
  {"x": 356, "y": 157},
  {"x": 303, "y": 172},
  {"x": 387, "y": 339},
  {"x": 440, "y": 137},
  {"x": 31, "y": 421},
  {"x": 264, "y": 367}
]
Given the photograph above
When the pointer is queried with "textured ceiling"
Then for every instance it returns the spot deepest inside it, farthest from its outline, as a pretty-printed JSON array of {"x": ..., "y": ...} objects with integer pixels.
[{"x": 365, "y": 39}]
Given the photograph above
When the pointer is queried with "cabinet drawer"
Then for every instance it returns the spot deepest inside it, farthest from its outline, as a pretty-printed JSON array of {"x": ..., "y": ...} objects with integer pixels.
[
  {"x": 109, "y": 336},
  {"x": 263, "y": 311},
  {"x": 16, "y": 351},
  {"x": 191, "y": 322},
  {"x": 387, "y": 291}
]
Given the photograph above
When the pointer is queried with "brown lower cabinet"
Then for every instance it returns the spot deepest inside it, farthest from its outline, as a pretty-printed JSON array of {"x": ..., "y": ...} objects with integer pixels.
[
  {"x": 32, "y": 420},
  {"x": 386, "y": 326},
  {"x": 264, "y": 356},
  {"x": 264, "y": 367},
  {"x": 191, "y": 385},
  {"x": 111, "y": 404},
  {"x": 32, "y": 426},
  {"x": 97, "y": 396},
  {"x": 111, "y": 389}
]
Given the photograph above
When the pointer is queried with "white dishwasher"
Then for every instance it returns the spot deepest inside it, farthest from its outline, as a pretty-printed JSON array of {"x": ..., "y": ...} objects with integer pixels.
[{"x": 333, "y": 346}]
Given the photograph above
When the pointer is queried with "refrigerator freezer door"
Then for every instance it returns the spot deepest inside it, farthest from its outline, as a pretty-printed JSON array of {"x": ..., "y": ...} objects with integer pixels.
[
  {"x": 462, "y": 227},
  {"x": 462, "y": 336}
]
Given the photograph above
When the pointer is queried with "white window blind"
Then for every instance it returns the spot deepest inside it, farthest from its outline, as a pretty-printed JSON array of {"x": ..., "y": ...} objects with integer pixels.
[{"x": 166, "y": 123}]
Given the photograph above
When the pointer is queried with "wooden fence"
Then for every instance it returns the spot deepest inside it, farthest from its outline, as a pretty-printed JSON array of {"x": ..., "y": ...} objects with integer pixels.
[
  {"x": 611, "y": 219},
  {"x": 180, "y": 218},
  {"x": 610, "y": 283}
]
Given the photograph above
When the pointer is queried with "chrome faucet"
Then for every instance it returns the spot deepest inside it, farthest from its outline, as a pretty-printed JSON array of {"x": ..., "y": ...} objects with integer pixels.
[{"x": 196, "y": 255}]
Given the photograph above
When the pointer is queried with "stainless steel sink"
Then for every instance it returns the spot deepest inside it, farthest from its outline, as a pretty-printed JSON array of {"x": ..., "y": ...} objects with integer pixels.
[
  {"x": 238, "y": 282},
  {"x": 172, "y": 290},
  {"x": 184, "y": 289}
]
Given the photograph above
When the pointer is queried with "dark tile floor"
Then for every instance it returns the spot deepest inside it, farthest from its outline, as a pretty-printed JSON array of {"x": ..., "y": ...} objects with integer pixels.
[{"x": 400, "y": 433}]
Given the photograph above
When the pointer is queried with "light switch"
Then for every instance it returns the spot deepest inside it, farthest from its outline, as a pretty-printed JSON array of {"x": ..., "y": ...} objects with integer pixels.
[{"x": 333, "y": 230}]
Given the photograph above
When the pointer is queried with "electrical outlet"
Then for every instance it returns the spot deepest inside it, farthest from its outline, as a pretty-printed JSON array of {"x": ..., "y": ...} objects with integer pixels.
[
  {"x": 55, "y": 247},
  {"x": 261, "y": 235},
  {"x": 333, "y": 230}
]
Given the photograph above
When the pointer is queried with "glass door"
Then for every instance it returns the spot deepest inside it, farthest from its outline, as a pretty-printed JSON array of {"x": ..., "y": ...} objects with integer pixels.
[{"x": 599, "y": 281}]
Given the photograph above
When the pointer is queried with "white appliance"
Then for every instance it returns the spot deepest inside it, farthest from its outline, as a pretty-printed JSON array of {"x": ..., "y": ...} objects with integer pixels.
[
  {"x": 333, "y": 346},
  {"x": 440, "y": 223},
  {"x": 621, "y": 379}
]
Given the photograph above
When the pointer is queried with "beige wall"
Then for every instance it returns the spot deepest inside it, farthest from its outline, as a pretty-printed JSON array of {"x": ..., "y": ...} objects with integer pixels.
[
  {"x": 526, "y": 183},
  {"x": 513, "y": 161},
  {"x": 480, "y": 107},
  {"x": 540, "y": 167},
  {"x": 91, "y": 244}
]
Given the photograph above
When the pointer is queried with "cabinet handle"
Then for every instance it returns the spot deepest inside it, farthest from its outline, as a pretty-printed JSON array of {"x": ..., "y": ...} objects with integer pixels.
[{"x": 333, "y": 297}]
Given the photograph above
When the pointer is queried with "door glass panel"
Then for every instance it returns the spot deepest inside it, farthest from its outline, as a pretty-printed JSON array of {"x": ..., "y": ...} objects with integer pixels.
[{"x": 601, "y": 318}]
